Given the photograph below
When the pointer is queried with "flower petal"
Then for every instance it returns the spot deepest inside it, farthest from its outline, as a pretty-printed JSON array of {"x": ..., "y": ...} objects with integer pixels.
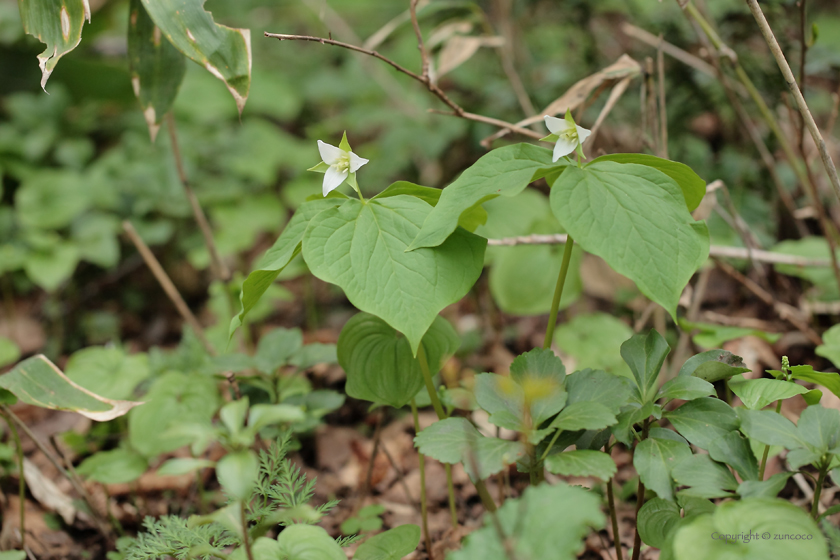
[
  {"x": 563, "y": 147},
  {"x": 356, "y": 162},
  {"x": 330, "y": 154},
  {"x": 556, "y": 126},
  {"x": 583, "y": 133},
  {"x": 332, "y": 179}
]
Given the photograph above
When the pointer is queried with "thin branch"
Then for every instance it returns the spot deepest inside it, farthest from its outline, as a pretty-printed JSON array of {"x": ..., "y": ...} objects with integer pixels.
[
  {"x": 424, "y": 54},
  {"x": 669, "y": 49},
  {"x": 663, "y": 112},
  {"x": 495, "y": 122},
  {"x": 220, "y": 269},
  {"x": 167, "y": 285},
  {"x": 828, "y": 163}
]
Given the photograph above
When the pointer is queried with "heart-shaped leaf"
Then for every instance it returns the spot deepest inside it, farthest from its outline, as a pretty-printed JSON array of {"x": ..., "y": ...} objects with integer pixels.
[
  {"x": 361, "y": 247},
  {"x": 379, "y": 362},
  {"x": 635, "y": 218}
]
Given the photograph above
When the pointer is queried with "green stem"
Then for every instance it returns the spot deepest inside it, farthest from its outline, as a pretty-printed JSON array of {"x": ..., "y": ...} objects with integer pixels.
[
  {"x": 453, "y": 510},
  {"x": 815, "y": 508},
  {"x": 21, "y": 479},
  {"x": 486, "y": 498},
  {"x": 422, "y": 465},
  {"x": 640, "y": 501},
  {"x": 558, "y": 292},
  {"x": 550, "y": 445},
  {"x": 767, "y": 447},
  {"x": 245, "y": 540},
  {"x": 614, "y": 518}
]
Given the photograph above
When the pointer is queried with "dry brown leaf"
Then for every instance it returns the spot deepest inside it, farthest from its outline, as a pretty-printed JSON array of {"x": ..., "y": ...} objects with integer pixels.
[{"x": 460, "y": 49}]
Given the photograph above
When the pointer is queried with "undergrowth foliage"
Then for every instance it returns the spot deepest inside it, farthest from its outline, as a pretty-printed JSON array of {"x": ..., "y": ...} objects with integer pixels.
[{"x": 401, "y": 254}]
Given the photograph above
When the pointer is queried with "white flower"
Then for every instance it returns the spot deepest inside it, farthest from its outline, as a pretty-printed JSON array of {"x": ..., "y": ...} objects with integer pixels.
[
  {"x": 341, "y": 163},
  {"x": 569, "y": 135}
]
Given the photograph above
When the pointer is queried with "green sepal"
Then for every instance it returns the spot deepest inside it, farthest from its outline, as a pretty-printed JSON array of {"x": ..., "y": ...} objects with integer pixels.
[
  {"x": 550, "y": 138},
  {"x": 344, "y": 144},
  {"x": 320, "y": 168}
]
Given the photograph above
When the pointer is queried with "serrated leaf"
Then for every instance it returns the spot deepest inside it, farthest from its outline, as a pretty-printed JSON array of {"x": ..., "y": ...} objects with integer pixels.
[
  {"x": 703, "y": 420},
  {"x": 758, "y": 393},
  {"x": 654, "y": 459},
  {"x": 379, "y": 362},
  {"x": 157, "y": 68},
  {"x": 645, "y": 355},
  {"x": 581, "y": 462},
  {"x": 361, "y": 247},
  {"x": 607, "y": 208},
  {"x": 37, "y": 381},
  {"x": 713, "y": 365},
  {"x": 586, "y": 415},
  {"x": 735, "y": 451},
  {"x": 610, "y": 390},
  {"x": 279, "y": 256},
  {"x": 685, "y": 388},
  {"x": 456, "y": 440},
  {"x": 769, "y": 428},
  {"x": 692, "y": 186},
  {"x": 223, "y": 51},
  {"x": 57, "y": 24},
  {"x": 505, "y": 171},
  {"x": 390, "y": 545}
]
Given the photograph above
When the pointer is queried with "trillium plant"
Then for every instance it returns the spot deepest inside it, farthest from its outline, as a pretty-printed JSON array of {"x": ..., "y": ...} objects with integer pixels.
[
  {"x": 339, "y": 164},
  {"x": 566, "y": 135}
]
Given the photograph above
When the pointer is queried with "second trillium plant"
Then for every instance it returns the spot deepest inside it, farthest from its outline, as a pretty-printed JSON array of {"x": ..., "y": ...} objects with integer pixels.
[
  {"x": 339, "y": 164},
  {"x": 566, "y": 134}
]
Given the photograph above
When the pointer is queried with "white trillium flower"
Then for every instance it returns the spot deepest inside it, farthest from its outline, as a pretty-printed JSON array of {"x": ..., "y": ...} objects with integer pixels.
[
  {"x": 338, "y": 164},
  {"x": 569, "y": 136}
]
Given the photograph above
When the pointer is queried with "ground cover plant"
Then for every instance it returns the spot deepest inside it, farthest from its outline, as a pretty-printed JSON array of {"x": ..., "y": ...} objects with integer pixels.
[{"x": 608, "y": 335}]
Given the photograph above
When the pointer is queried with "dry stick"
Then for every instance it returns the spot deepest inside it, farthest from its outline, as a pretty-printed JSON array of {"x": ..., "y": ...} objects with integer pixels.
[
  {"x": 783, "y": 310},
  {"x": 424, "y": 55},
  {"x": 21, "y": 478},
  {"x": 80, "y": 489},
  {"x": 803, "y": 52},
  {"x": 828, "y": 163},
  {"x": 505, "y": 7},
  {"x": 663, "y": 113},
  {"x": 669, "y": 49},
  {"x": 167, "y": 285},
  {"x": 796, "y": 164},
  {"x": 424, "y": 515},
  {"x": 377, "y": 433},
  {"x": 400, "y": 476},
  {"x": 220, "y": 269},
  {"x": 457, "y": 110}
]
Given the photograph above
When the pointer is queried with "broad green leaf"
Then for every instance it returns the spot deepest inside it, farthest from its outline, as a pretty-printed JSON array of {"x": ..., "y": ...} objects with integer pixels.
[
  {"x": 538, "y": 364},
  {"x": 713, "y": 365},
  {"x": 630, "y": 415},
  {"x": 685, "y": 388},
  {"x": 9, "y": 351},
  {"x": 585, "y": 415},
  {"x": 456, "y": 440},
  {"x": 233, "y": 415},
  {"x": 593, "y": 340},
  {"x": 361, "y": 247},
  {"x": 635, "y": 218},
  {"x": 534, "y": 520},
  {"x": 704, "y": 477},
  {"x": 50, "y": 200},
  {"x": 113, "y": 467},
  {"x": 108, "y": 371},
  {"x": 705, "y": 537},
  {"x": 379, "y": 363},
  {"x": 57, "y": 24},
  {"x": 809, "y": 247},
  {"x": 175, "y": 399},
  {"x": 656, "y": 520},
  {"x": 50, "y": 268},
  {"x": 703, "y": 420},
  {"x": 769, "y": 428},
  {"x": 390, "y": 545},
  {"x": 830, "y": 381},
  {"x": 470, "y": 219},
  {"x": 307, "y": 542},
  {"x": 37, "y": 381},
  {"x": 526, "y": 213},
  {"x": 237, "y": 473},
  {"x": 505, "y": 171},
  {"x": 581, "y": 462},
  {"x": 183, "y": 465},
  {"x": 830, "y": 348},
  {"x": 276, "y": 347},
  {"x": 13, "y": 555},
  {"x": 263, "y": 415},
  {"x": 769, "y": 488},
  {"x": 654, "y": 459},
  {"x": 735, "y": 451},
  {"x": 313, "y": 354},
  {"x": 280, "y": 255},
  {"x": 609, "y": 390},
  {"x": 758, "y": 393},
  {"x": 713, "y": 336},
  {"x": 157, "y": 68},
  {"x": 693, "y": 187},
  {"x": 820, "y": 427},
  {"x": 223, "y": 51},
  {"x": 645, "y": 355}
]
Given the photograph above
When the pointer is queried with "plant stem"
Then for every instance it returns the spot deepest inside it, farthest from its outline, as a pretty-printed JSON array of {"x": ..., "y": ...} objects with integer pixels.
[
  {"x": 424, "y": 514},
  {"x": 245, "y": 540},
  {"x": 558, "y": 292},
  {"x": 614, "y": 518},
  {"x": 441, "y": 414},
  {"x": 815, "y": 508},
  {"x": 21, "y": 478},
  {"x": 767, "y": 447},
  {"x": 640, "y": 501}
]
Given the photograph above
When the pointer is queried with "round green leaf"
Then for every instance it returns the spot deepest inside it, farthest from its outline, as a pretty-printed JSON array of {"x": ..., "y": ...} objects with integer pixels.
[
  {"x": 308, "y": 542},
  {"x": 390, "y": 545},
  {"x": 237, "y": 472},
  {"x": 379, "y": 363}
]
